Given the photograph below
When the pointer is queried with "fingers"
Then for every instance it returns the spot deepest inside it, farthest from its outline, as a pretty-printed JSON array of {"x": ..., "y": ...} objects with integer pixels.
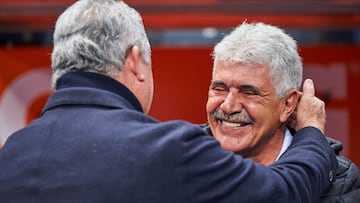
[
  {"x": 310, "y": 110},
  {"x": 308, "y": 87}
]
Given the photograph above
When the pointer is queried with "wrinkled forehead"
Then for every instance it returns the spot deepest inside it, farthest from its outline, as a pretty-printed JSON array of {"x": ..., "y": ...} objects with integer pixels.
[
  {"x": 235, "y": 74},
  {"x": 236, "y": 67}
]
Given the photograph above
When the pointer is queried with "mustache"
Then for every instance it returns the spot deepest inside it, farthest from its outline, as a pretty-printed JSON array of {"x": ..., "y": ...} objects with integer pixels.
[{"x": 242, "y": 116}]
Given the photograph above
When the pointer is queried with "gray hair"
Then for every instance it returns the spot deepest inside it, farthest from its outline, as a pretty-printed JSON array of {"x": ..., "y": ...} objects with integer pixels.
[
  {"x": 259, "y": 43},
  {"x": 95, "y": 35}
]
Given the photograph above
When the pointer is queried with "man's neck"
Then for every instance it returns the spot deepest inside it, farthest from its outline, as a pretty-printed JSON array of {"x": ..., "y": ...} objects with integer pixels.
[{"x": 272, "y": 150}]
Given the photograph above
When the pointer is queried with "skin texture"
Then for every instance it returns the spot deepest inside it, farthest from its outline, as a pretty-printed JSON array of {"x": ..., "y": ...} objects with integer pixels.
[
  {"x": 138, "y": 77},
  {"x": 310, "y": 111},
  {"x": 259, "y": 130}
]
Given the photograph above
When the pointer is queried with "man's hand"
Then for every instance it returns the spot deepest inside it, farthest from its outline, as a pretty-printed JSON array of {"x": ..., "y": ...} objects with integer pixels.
[{"x": 310, "y": 110}]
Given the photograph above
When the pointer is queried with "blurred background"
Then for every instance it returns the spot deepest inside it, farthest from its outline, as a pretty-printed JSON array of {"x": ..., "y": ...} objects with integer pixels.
[{"x": 182, "y": 34}]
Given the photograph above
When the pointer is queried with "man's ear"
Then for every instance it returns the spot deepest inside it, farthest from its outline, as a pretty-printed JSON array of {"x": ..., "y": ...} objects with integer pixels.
[
  {"x": 133, "y": 63},
  {"x": 289, "y": 104}
]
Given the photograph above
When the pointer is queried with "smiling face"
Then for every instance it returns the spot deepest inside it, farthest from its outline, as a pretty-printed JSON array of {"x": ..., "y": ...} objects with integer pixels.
[{"x": 243, "y": 112}]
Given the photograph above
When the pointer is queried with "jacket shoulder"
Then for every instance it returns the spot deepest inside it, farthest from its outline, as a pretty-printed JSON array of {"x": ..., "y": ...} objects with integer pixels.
[{"x": 346, "y": 187}]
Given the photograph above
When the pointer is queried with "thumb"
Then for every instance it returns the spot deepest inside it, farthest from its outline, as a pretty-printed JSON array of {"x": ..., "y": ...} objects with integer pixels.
[{"x": 308, "y": 87}]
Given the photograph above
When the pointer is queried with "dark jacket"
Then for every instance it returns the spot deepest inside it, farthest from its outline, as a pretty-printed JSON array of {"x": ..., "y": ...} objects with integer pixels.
[
  {"x": 93, "y": 143},
  {"x": 346, "y": 188}
]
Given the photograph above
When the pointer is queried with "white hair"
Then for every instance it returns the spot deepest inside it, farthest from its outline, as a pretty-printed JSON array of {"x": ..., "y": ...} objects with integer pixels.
[
  {"x": 95, "y": 35},
  {"x": 259, "y": 43}
]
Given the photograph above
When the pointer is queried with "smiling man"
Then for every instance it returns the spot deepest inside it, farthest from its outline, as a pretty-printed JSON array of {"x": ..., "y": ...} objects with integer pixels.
[
  {"x": 256, "y": 75},
  {"x": 244, "y": 112},
  {"x": 254, "y": 90}
]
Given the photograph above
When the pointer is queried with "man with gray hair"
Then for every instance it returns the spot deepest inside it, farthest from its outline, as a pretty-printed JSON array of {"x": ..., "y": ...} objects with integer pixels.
[
  {"x": 95, "y": 143},
  {"x": 256, "y": 77}
]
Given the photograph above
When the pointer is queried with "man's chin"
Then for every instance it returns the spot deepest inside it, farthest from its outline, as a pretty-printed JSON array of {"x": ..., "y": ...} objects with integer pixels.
[{"x": 232, "y": 145}]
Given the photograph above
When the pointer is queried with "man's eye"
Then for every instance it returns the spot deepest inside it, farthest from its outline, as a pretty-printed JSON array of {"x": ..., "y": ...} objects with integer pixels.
[
  {"x": 219, "y": 89},
  {"x": 249, "y": 92}
]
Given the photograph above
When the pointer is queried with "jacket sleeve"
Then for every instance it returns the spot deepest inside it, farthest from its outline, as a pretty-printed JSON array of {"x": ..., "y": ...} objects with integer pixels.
[{"x": 215, "y": 175}]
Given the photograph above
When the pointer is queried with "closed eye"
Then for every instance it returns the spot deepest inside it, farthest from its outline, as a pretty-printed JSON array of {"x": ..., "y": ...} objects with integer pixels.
[
  {"x": 218, "y": 86},
  {"x": 249, "y": 90}
]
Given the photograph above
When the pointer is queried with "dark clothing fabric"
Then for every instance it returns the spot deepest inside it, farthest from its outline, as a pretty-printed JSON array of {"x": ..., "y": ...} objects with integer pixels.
[
  {"x": 346, "y": 188},
  {"x": 93, "y": 144}
]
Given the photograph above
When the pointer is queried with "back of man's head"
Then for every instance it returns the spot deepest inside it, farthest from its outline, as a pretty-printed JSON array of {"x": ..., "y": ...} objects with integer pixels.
[{"x": 95, "y": 35}]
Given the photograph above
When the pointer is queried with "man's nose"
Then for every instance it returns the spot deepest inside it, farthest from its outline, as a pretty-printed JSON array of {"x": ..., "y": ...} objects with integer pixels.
[{"x": 232, "y": 103}]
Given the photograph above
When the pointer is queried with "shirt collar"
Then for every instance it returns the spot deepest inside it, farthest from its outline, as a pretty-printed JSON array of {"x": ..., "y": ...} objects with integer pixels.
[{"x": 288, "y": 137}]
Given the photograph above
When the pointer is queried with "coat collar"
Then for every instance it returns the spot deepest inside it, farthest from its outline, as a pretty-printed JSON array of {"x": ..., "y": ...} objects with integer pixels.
[{"x": 92, "y": 88}]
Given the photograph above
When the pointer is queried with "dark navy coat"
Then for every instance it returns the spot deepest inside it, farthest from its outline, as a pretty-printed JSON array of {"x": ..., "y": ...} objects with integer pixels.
[{"x": 93, "y": 143}]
